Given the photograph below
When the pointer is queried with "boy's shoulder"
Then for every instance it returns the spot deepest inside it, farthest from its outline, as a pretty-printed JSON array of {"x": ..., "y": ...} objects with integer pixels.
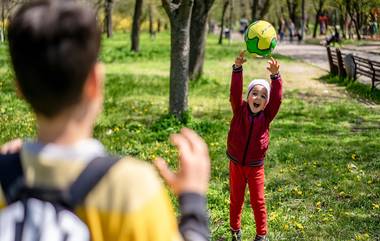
[{"x": 131, "y": 181}]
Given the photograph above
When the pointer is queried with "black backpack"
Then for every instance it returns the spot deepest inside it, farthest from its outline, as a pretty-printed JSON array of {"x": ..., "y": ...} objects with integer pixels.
[{"x": 41, "y": 214}]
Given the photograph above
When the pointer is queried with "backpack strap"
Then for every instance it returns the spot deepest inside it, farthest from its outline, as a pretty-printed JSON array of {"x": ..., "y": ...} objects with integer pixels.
[
  {"x": 10, "y": 172},
  {"x": 88, "y": 179},
  {"x": 14, "y": 187}
]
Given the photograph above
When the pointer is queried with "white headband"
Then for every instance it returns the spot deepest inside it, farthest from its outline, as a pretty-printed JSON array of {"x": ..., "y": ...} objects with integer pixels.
[{"x": 262, "y": 82}]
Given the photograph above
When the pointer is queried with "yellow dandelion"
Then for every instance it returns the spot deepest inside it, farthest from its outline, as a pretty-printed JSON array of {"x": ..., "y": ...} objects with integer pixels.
[
  {"x": 375, "y": 206},
  {"x": 318, "y": 204},
  {"x": 299, "y": 226},
  {"x": 286, "y": 227},
  {"x": 353, "y": 156}
]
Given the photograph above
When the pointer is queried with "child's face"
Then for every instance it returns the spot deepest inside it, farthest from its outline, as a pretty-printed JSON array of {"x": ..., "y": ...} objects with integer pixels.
[{"x": 257, "y": 98}]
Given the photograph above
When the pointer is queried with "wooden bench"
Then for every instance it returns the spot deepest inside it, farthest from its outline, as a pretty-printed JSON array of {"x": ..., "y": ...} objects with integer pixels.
[
  {"x": 367, "y": 68},
  {"x": 363, "y": 66},
  {"x": 335, "y": 57}
]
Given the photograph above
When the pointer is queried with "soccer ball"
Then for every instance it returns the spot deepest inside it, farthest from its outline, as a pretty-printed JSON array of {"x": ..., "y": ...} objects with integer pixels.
[{"x": 260, "y": 38}]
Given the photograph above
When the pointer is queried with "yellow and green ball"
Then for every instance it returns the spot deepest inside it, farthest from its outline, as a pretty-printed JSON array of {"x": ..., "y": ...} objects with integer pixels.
[{"x": 260, "y": 38}]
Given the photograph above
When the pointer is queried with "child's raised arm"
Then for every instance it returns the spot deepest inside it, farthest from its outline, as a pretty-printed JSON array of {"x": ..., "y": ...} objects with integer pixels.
[
  {"x": 236, "y": 89},
  {"x": 276, "y": 90}
]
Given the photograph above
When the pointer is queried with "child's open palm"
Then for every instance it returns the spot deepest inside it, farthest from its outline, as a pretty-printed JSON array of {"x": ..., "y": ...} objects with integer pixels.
[
  {"x": 274, "y": 66},
  {"x": 240, "y": 60}
]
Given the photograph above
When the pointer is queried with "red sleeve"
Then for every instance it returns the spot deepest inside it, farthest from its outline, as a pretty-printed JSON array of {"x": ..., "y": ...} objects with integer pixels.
[
  {"x": 236, "y": 89},
  {"x": 275, "y": 99}
]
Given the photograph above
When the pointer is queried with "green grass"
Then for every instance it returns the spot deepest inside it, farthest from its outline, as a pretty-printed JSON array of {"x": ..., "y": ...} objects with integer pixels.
[
  {"x": 323, "y": 164},
  {"x": 356, "y": 89}
]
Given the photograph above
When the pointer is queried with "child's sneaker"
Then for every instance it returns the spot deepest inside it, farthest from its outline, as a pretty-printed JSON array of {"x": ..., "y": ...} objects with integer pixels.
[
  {"x": 236, "y": 235},
  {"x": 261, "y": 238}
]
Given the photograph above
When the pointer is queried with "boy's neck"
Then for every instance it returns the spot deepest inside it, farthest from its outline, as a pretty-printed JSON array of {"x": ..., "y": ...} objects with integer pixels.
[{"x": 64, "y": 129}]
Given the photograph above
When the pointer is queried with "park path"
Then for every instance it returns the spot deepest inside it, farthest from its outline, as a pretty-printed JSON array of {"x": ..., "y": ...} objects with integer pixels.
[{"x": 317, "y": 54}]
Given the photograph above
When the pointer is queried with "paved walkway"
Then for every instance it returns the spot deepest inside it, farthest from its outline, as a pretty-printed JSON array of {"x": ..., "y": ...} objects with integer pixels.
[
  {"x": 313, "y": 54},
  {"x": 317, "y": 54}
]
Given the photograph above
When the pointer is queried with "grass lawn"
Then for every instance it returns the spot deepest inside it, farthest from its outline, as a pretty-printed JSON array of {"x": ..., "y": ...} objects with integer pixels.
[{"x": 323, "y": 164}]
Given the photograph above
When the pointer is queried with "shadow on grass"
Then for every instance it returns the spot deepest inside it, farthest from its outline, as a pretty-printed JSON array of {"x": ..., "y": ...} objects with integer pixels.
[{"x": 359, "y": 91}]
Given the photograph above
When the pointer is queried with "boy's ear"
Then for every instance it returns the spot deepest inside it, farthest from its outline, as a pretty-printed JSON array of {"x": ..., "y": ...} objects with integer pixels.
[{"x": 94, "y": 83}]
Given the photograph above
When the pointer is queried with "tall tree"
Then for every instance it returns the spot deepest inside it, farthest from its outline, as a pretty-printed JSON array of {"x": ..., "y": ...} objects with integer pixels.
[
  {"x": 303, "y": 19},
  {"x": 292, "y": 8},
  {"x": 224, "y": 10},
  {"x": 359, "y": 11},
  {"x": 108, "y": 17},
  {"x": 6, "y": 9},
  {"x": 179, "y": 12},
  {"x": 318, "y": 9},
  {"x": 152, "y": 32},
  {"x": 242, "y": 9},
  {"x": 2, "y": 30},
  {"x": 135, "y": 36},
  {"x": 198, "y": 27},
  {"x": 259, "y": 8}
]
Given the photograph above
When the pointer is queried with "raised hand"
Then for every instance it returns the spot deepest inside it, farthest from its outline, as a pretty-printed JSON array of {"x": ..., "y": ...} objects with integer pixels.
[
  {"x": 194, "y": 164},
  {"x": 240, "y": 60},
  {"x": 274, "y": 66}
]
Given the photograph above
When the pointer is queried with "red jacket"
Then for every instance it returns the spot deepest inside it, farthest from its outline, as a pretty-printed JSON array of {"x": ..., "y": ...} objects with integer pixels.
[{"x": 248, "y": 137}]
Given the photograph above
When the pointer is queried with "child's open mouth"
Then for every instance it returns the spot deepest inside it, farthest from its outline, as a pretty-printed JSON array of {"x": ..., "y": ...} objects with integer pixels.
[{"x": 256, "y": 105}]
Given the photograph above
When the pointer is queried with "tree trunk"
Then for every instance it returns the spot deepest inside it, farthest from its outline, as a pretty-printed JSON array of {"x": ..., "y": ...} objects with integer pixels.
[
  {"x": 292, "y": 8},
  {"x": 254, "y": 8},
  {"x": 264, "y": 10},
  {"x": 242, "y": 9},
  {"x": 198, "y": 28},
  {"x": 318, "y": 13},
  {"x": 225, "y": 5},
  {"x": 151, "y": 22},
  {"x": 316, "y": 24},
  {"x": 357, "y": 29},
  {"x": 303, "y": 19},
  {"x": 108, "y": 17},
  {"x": 135, "y": 37},
  {"x": 353, "y": 10},
  {"x": 2, "y": 30},
  {"x": 158, "y": 25},
  {"x": 179, "y": 15}
]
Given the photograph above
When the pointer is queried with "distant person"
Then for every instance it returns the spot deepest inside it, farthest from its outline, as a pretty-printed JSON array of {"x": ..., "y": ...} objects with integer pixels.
[
  {"x": 248, "y": 141},
  {"x": 54, "y": 47},
  {"x": 373, "y": 28},
  {"x": 322, "y": 24},
  {"x": 292, "y": 30},
  {"x": 333, "y": 38},
  {"x": 281, "y": 29},
  {"x": 243, "y": 25}
]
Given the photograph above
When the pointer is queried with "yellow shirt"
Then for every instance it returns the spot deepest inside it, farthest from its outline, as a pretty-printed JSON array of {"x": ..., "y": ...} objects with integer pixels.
[{"x": 129, "y": 202}]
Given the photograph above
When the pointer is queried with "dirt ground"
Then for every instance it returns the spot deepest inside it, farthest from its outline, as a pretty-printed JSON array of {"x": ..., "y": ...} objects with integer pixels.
[{"x": 304, "y": 77}]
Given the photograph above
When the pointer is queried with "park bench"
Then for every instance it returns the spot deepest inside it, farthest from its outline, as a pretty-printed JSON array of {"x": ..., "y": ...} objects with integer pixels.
[
  {"x": 361, "y": 66},
  {"x": 336, "y": 63},
  {"x": 367, "y": 68}
]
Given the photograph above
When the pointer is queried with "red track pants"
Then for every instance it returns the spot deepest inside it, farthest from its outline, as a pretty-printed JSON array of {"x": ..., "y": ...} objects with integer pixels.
[{"x": 239, "y": 177}]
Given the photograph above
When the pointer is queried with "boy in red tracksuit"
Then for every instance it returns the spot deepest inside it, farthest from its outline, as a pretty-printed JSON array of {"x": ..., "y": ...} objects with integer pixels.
[{"x": 248, "y": 141}]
